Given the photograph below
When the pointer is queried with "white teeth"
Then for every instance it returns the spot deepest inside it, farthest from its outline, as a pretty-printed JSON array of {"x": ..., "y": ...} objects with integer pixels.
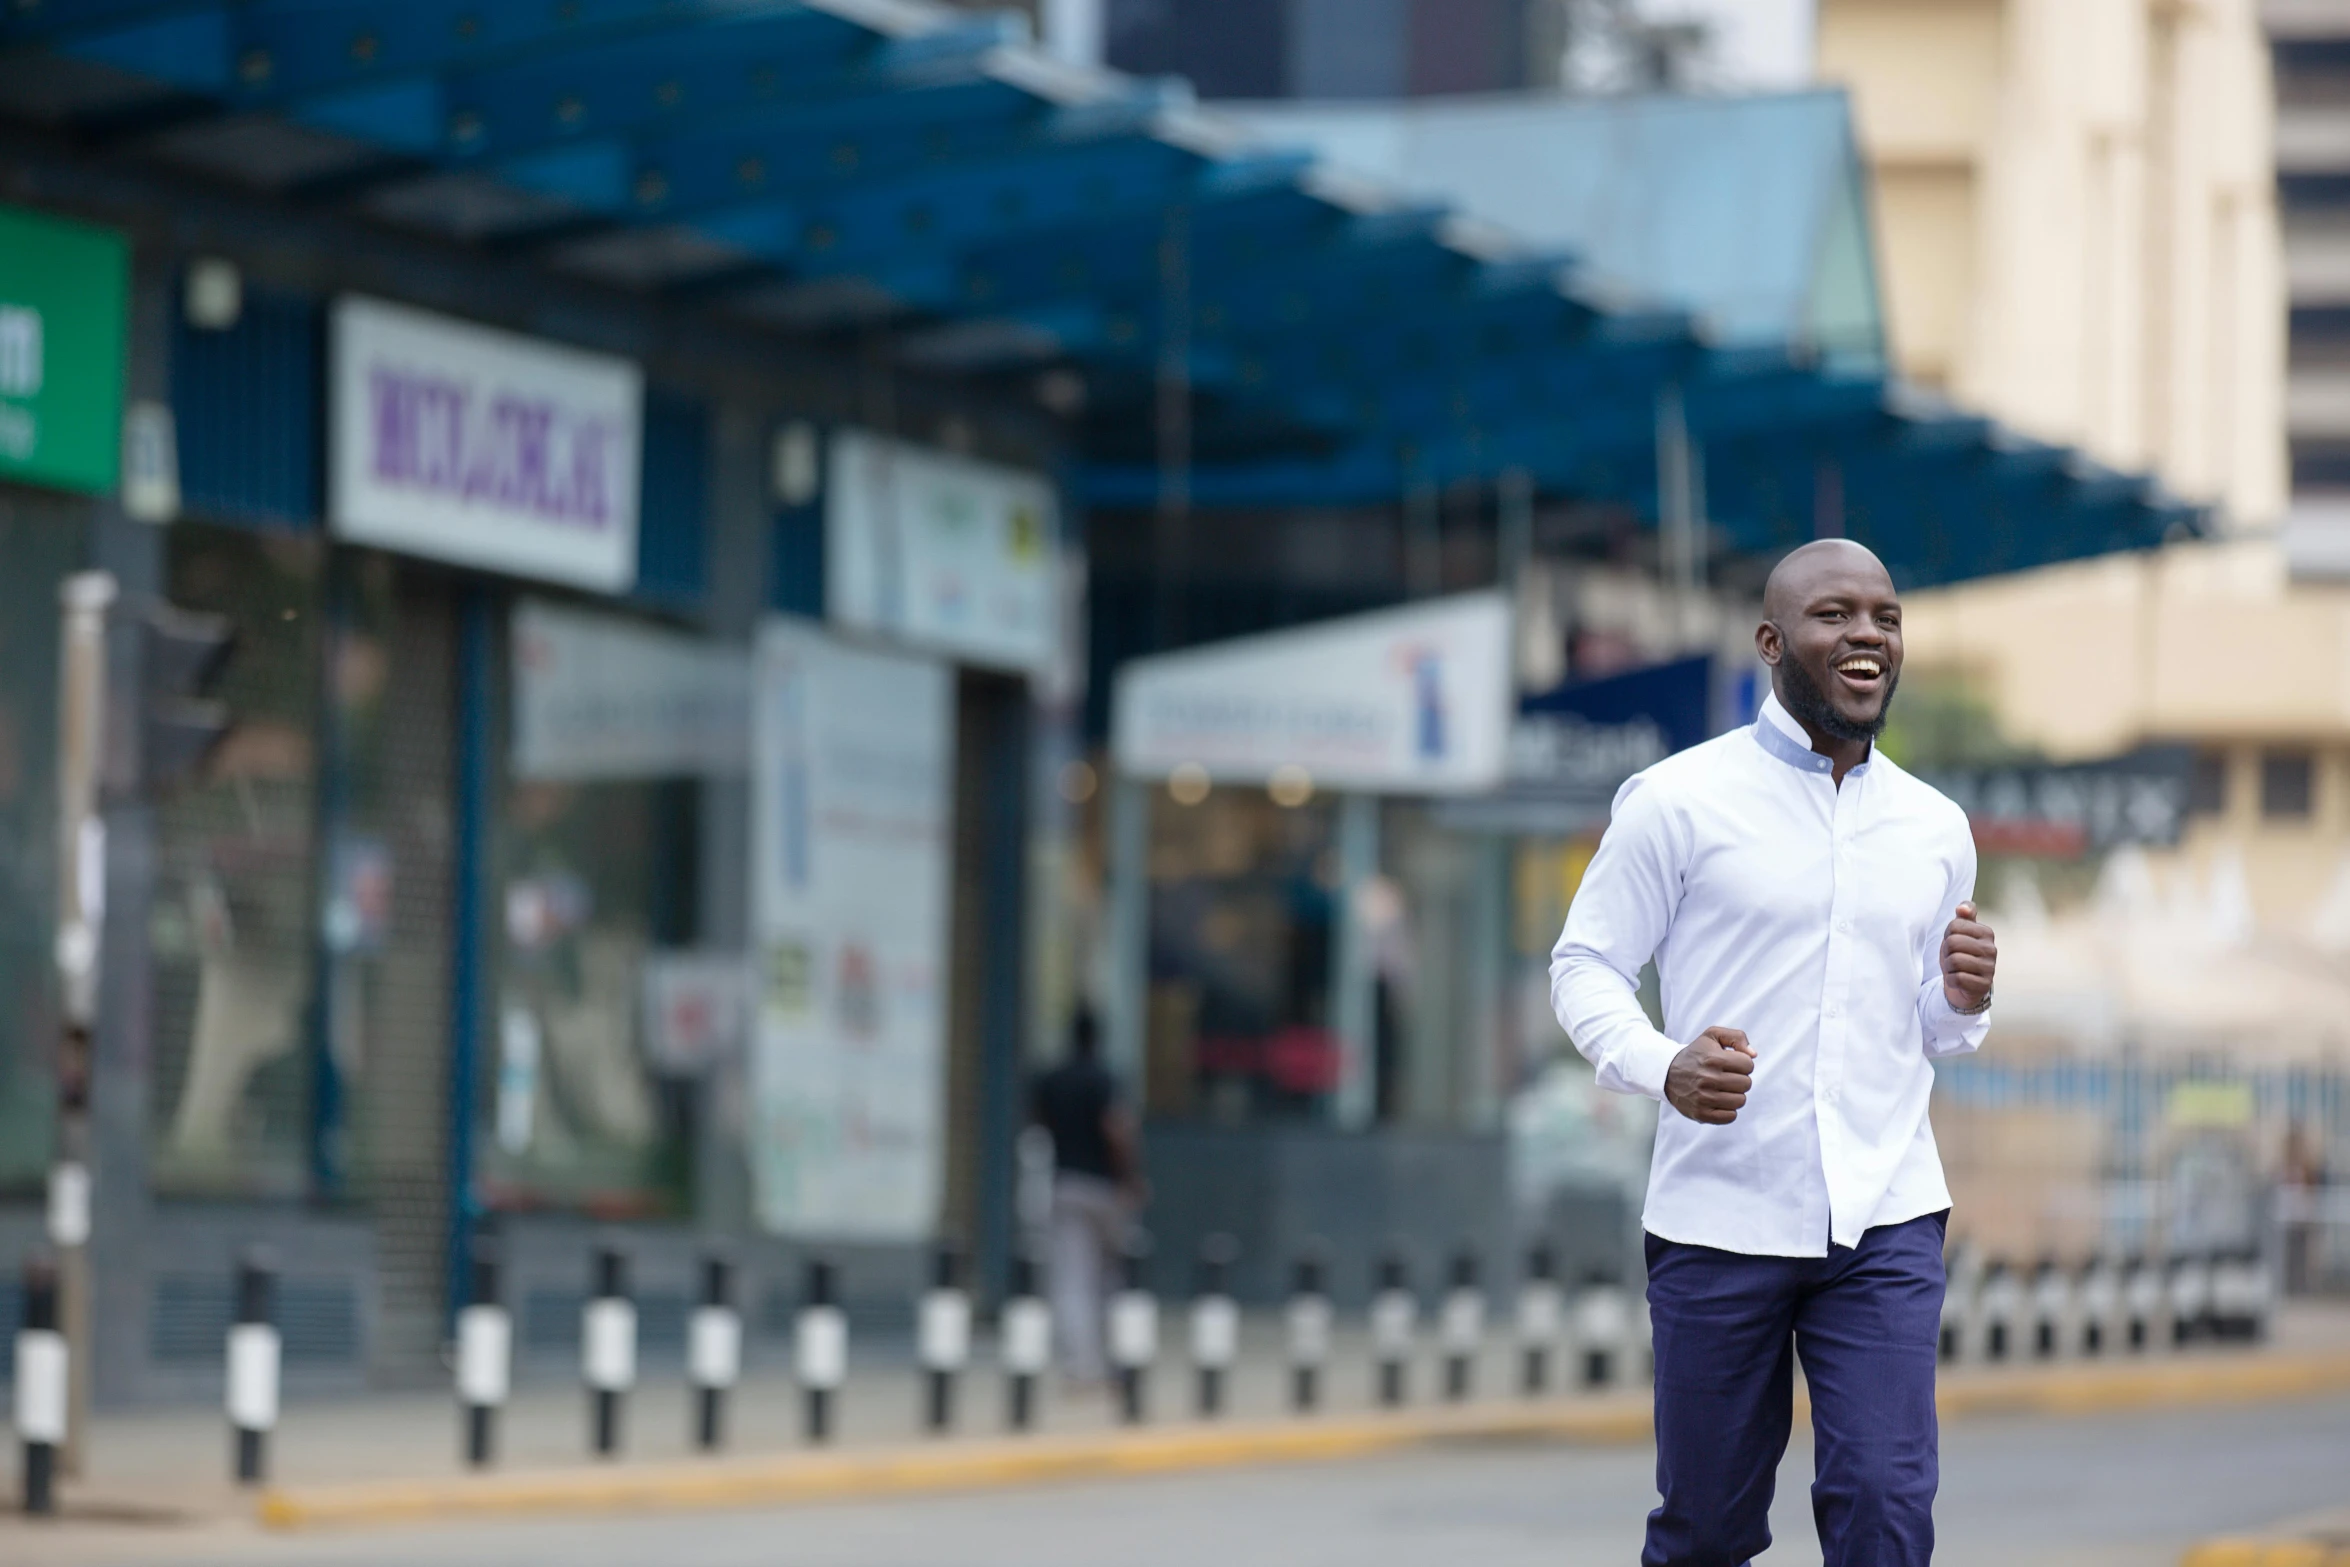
[{"x": 1860, "y": 666}]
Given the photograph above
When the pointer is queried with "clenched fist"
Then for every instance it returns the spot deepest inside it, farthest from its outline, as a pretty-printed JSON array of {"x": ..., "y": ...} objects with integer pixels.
[
  {"x": 1708, "y": 1080},
  {"x": 1969, "y": 954}
]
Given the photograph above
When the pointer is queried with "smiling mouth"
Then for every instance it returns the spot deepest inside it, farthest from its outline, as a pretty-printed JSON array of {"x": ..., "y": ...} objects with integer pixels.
[{"x": 1862, "y": 669}]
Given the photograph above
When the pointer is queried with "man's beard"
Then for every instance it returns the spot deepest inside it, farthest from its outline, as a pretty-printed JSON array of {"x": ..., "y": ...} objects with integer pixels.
[{"x": 1809, "y": 705}]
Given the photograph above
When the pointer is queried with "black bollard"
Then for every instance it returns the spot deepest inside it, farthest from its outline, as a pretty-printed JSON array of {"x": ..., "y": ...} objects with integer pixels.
[
  {"x": 1308, "y": 1334},
  {"x": 820, "y": 1348},
  {"x": 2051, "y": 1304},
  {"x": 1026, "y": 1344},
  {"x": 485, "y": 1354},
  {"x": 1461, "y": 1328},
  {"x": 2141, "y": 1303},
  {"x": 714, "y": 1352},
  {"x": 1998, "y": 1304},
  {"x": 943, "y": 1337},
  {"x": 1603, "y": 1328},
  {"x": 253, "y": 1367},
  {"x": 41, "y": 1378},
  {"x": 607, "y": 1348},
  {"x": 1215, "y": 1322},
  {"x": 1394, "y": 1316},
  {"x": 1539, "y": 1317},
  {"x": 1134, "y": 1334}
]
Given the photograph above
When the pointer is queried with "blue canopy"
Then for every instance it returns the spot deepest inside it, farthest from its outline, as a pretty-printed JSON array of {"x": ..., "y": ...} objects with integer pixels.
[{"x": 828, "y": 166}]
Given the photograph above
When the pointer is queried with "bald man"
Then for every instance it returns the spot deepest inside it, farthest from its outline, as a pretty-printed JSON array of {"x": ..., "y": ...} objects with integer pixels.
[{"x": 1809, "y": 908}]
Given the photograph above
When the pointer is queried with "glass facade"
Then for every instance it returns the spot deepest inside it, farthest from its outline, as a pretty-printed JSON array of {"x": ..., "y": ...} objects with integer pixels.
[
  {"x": 595, "y": 878},
  {"x": 232, "y": 932}
]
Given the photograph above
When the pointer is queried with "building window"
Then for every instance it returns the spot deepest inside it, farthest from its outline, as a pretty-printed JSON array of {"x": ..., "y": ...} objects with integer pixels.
[
  {"x": 2287, "y": 784},
  {"x": 2207, "y": 784}
]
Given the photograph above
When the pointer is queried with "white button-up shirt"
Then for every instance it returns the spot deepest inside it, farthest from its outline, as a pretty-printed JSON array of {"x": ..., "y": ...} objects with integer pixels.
[{"x": 1809, "y": 916}]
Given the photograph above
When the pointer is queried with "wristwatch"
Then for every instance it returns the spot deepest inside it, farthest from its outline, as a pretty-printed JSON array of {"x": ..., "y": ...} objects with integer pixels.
[{"x": 1977, "y": 1010}]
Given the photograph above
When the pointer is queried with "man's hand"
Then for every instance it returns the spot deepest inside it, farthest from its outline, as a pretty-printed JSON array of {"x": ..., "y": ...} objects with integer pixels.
[
  {"x": 1708, "y": 1080},
  {"x": 1969, "y": 954}
]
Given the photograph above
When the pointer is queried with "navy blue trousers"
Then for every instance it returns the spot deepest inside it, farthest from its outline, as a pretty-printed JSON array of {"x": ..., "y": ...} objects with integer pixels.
[{"x": 1728, "y": 1330}]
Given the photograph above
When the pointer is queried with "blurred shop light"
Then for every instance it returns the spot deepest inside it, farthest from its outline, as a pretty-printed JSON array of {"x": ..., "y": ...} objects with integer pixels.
[
  {"x": 150, "y": 463},
  {"x": 1188, "y": 784},
  {"x": 215, "y": 298},
  {"x": 1078, "y": 782},
  {"x": 1291, "y": 786},
  {"x": 792, "y": 464},
  {"x": 1061, "y": 392}
]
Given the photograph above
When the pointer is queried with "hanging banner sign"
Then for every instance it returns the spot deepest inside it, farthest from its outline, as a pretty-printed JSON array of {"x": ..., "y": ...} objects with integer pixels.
[
  {"x": 944, "y": 552},
  {"x": 1572, "y": 748},
  {"x": 599, "y": 696},
  {"x": 852, "y": 829},
  {"x": 1413, "y": 700},
  {"x": 2066, "y": 810},
  {"x": 64, "y": 299},
  {"x": 483, "y": 448}
]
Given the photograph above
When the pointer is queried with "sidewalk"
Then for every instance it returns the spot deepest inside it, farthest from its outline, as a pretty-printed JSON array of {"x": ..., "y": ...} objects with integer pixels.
[{"x": 393, "y": 1458}]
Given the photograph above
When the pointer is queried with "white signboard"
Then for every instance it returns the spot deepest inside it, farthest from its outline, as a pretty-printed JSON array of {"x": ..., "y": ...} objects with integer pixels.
[
  {"x": 598, "y": 696},
  {"x": 483, "y": 448},
  {"x": 1413, "y": 700},
  {"x": 853, "y": 779},
  {"x": 942, "y": 551}
]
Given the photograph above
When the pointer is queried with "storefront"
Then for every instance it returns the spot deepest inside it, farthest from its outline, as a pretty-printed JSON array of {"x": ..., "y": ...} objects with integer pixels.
[
  {"x": 483, "y": 918},
  {"x": 1339, "y": 897}
]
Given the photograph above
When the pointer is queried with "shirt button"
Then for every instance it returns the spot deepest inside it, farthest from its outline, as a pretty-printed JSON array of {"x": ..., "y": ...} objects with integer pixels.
[
  {"x": 1844, "y": 926},
  {"x": 1832, "y": 1009}
]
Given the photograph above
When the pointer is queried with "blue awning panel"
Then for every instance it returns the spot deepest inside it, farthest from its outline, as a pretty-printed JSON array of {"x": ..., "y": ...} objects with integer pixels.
[{"x": 825, "y": 166}]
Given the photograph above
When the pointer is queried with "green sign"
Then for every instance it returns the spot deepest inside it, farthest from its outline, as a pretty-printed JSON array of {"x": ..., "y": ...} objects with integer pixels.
[{"x": 64, "y": 293}]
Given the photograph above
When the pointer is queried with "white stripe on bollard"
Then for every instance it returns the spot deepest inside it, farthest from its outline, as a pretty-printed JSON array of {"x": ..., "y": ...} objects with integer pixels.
[
  {"x": 1308, "y": 1330},
  {"x": 608, "y": 1343},
  {"x": 1134, "y": 1329},
  {"x": 252, "y": 1376},
  {"x": 1215, "y": 1332},
  {"x": 714, "y": 1347},
  {"x": 820, "y": 1348},
  {"x": 943, "y": 1333},
  {"x": 1027, "y": 1337},
  {"x": 40, "y": 1386},
  {"x": 485, "y": 1356}
]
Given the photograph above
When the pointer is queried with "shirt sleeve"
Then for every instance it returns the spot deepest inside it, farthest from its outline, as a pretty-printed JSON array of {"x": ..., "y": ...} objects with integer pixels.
[
  {"x": 1947, "y": 1031},
  {"x": 1620, "y": 916}
]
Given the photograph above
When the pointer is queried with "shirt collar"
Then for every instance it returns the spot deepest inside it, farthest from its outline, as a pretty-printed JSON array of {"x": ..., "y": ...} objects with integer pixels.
[{"x": 1777, "y": 732}]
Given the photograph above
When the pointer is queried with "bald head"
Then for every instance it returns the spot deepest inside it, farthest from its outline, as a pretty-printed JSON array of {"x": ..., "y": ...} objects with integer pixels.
[
  {"x": 1801, "y": 570},
  {"x": 1831, "y": 634}
]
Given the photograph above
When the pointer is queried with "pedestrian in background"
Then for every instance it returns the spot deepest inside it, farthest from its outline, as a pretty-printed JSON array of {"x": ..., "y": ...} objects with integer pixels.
[
  {"x": 1097, "y": 1191},
  {"x": 1809, "y": 908}
]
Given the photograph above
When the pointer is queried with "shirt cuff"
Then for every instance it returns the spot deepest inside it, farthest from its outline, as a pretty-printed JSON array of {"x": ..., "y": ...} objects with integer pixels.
[
  {"x": 1647, "y": 1060},
  {"x": 1947, "y": 1028}
]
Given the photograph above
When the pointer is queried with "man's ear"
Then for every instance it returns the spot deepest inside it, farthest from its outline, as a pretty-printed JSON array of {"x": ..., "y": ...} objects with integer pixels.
[{"x": 1768, "y": 643}]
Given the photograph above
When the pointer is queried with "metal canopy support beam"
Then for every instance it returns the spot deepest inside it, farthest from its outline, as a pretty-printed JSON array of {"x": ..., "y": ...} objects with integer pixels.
[
  {"x": 1126, "y": 987},
  {"x": 1354, "y": 969},
  {"x": 1677, "y": 503}
]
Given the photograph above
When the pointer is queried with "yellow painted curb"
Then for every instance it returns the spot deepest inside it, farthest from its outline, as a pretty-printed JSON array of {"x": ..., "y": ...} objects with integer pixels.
[
  {"x": 1614, "y": 1420},
  {"x": 2266, "y": 1553},
  {"x": 839, "y": 1476}
]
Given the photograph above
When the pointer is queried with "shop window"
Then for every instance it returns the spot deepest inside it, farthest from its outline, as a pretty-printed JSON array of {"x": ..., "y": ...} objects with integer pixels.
[
  {"x": 1243, "y": 900},
  {"x": 2287, "y": 785},
  {"x": 232, "y": 930},
  {"x": 246, "y": 404},
  {"x": 2207, "y": 784},
  {"x": 596, "y": 877}
]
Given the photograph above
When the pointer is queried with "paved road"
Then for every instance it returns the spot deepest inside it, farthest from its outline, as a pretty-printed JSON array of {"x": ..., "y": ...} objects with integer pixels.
[{"x": 2110, "y": 1491}]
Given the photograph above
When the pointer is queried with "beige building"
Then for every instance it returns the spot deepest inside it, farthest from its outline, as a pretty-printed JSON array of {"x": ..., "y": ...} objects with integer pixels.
[{"x": 2075, "y": 200}]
